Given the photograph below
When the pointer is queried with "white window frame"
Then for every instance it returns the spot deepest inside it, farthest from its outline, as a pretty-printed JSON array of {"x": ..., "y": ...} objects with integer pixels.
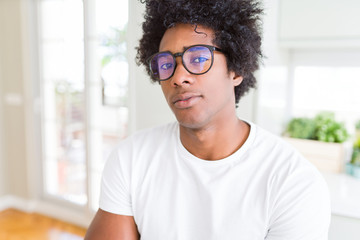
[{"x": 62, "y": 208}]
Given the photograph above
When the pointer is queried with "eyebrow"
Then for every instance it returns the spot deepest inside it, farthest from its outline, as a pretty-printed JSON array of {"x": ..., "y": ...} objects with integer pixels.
[{"x": 183, "y": 50}]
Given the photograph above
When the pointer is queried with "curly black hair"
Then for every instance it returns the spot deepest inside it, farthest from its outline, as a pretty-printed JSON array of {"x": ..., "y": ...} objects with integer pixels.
[{"x": 236, "y": 24}]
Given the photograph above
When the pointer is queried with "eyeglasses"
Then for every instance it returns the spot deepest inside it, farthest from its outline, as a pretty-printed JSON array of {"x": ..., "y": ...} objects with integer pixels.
[{"x": 197, "y": 59}]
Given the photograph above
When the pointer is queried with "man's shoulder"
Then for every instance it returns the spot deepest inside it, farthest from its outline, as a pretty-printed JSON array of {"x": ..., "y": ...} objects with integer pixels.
[
  {"x": 286, "y": 167},
  {"x": 278, "y": 153},
  {"x": 265, "y": 140}
]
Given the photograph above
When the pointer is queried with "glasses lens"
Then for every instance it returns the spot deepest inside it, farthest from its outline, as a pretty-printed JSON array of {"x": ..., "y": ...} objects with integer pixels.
[
  {"x": 162, "y": 66},
  {"x": 197, "y": 59}
]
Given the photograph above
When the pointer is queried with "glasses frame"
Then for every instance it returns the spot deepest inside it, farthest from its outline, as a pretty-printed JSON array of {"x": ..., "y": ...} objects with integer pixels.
[{"x": 181, "y": 54}]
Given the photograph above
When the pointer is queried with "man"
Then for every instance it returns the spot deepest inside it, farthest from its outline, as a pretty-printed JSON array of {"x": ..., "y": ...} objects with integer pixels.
[{"x": 211, "y": 175}]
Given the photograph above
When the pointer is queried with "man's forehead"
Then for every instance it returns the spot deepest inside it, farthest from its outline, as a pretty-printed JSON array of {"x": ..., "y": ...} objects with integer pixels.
[{"x": 184, "y": 35}]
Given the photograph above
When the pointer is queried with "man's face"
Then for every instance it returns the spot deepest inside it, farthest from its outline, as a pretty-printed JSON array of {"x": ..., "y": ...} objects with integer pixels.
[{"x": 198, "y": 101}]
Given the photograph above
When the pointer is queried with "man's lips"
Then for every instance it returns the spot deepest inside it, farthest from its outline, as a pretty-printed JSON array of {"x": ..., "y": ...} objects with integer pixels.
[{"x": 185, "y": 100}]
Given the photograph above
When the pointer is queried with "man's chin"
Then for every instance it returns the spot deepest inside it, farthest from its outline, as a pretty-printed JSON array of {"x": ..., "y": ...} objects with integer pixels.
[{"x": 193, "y": 124}]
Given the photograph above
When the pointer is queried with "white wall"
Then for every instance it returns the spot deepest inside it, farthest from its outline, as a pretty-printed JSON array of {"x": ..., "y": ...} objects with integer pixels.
[
  {"x": 275, "y": 60},
  {"x": 148, "y": 106},
  {"x": 3, "y": 173},
  {"x": 2, "y": 164},
  {"x": 319, "y": 23},
  {"x": 274, "y": 55},
  {"x": 13, "y": 111},
  {"x": 247, "y": 105},
  {"x": 31, "y": 103}
]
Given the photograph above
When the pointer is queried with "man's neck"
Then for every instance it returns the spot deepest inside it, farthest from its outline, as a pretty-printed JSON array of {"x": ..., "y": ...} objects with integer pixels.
[{"x": 215, "y": 142}]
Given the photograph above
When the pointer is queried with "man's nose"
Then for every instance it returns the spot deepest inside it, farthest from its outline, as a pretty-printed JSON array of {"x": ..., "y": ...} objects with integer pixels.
[{"x": 181, "y": 75}]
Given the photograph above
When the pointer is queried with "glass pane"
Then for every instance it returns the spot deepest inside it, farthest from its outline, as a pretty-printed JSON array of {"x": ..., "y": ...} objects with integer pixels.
[
  {"x": 62, "y": 58},
  {"x": 272, "y": 98},
  {"x": 108, "y": 100},
  {"x": 333, "y": 89}
]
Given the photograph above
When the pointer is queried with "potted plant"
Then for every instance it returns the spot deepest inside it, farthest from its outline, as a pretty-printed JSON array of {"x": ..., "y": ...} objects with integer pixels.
[
  {"x": 357, "y": 127},
  {"x": 353, "y": 167},
  {"x": 322, "y": 140}
]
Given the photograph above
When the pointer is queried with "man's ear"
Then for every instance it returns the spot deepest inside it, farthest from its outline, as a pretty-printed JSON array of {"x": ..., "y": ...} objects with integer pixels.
[{"x": 237, "y": 79}]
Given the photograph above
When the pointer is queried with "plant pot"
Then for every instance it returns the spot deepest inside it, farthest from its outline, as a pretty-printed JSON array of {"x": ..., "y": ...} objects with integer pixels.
[
  {"x": 356, "y": 171},
  {"x": 353, "y": 170},
  {"x": 327, "y": 157},
  {"x": 349, "y": 168}
]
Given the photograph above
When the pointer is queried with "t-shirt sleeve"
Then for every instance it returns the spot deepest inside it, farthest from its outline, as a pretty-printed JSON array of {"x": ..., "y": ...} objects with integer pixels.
[
  {"x": 302, "y": 208},
  {"x": 115, "y": 196}
]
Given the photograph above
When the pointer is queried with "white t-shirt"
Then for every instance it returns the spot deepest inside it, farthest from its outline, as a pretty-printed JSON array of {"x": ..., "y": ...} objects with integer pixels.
[{"x": 265, "y": 190}]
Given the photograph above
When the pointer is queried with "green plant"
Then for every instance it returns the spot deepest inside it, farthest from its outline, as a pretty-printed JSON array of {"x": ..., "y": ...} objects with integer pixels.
[
  {"x": 303, "y": 128},
  {"x": 357, "y": 143},
  {"x": 115, "y": 43},
  {"x": 357, "y": 125},
  {"x": 323, "y": 128},
  {"x": 355, "y": 158},
  {"x": 328, "y": 129}
]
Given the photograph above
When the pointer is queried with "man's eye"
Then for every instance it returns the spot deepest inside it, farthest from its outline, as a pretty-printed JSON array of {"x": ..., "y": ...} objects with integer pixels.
[
  {"x": 166, "y": 66},
  {"x": 200, "y": 60}
]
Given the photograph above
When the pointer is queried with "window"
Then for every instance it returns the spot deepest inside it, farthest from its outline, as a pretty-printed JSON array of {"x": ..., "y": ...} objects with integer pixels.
[
  {"x": 327, "y": 80},
  {"x": 272, "y": 95},
  {"x": 312, "y": 82},
  {"x": 62, "y": 58},
  {"x": 334, "y": 89},
  {"x": 84, "y": 86}
]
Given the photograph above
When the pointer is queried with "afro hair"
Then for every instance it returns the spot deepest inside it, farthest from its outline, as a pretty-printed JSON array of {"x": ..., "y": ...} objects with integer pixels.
[{"x": 236, "y": 24}]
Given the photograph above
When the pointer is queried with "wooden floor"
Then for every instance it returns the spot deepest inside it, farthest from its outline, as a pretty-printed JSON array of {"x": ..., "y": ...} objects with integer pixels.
[{"x": 17, "y": 225}]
